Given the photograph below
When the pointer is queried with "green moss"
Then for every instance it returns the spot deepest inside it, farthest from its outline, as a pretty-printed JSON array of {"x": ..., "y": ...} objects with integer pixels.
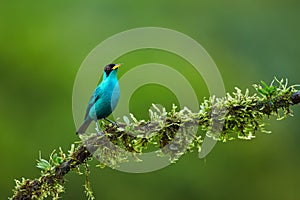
[{"x": 237, "y": 116}]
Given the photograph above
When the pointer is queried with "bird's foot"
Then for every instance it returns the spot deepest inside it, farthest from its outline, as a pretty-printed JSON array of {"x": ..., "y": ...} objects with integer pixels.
[
  {"x": 115, "y": 124},
  {"x": 98, "y": 129},
  {"x": 100, "y": 133},
  {"x": 112, "y": 122}
]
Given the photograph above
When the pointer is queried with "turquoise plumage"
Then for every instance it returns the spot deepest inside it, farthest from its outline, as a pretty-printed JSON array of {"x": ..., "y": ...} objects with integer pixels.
[{"x": 104, "y": 99}]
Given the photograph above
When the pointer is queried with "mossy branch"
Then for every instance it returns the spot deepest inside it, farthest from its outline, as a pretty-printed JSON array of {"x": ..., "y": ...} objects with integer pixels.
[{"x": 173, "y": 133}]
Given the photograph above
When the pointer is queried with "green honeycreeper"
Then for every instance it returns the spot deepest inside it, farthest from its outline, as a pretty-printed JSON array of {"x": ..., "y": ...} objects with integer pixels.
[{"x": 104, "y": 99}]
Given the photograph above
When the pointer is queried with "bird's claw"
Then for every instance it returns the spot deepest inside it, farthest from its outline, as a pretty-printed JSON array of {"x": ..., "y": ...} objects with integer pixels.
[
  {"x": 115, "y": 124},
  {"x": 98, "y": 130},
  {"x": 112, "y": 122}
]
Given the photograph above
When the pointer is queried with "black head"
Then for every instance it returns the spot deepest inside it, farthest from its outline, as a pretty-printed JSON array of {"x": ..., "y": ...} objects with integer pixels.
[{"x": 109, "y": 68}]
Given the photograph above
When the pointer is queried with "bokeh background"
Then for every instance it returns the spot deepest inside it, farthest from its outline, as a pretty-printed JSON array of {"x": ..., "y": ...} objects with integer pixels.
[{"x": 42, "y": 45}]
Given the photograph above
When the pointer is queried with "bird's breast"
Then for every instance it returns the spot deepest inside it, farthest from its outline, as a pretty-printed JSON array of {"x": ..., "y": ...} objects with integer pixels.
[{"x": 108, "y": 101}]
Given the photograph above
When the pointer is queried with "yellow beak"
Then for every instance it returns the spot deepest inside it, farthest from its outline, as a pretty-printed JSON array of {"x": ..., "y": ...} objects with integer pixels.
[{"x": 117, "y": 66}]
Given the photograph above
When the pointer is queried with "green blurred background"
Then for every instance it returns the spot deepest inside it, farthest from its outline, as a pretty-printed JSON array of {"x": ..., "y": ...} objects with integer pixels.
[{"x": 42, "y": 45}]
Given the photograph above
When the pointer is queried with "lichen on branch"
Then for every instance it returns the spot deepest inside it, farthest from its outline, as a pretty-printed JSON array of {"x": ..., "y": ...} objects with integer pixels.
[{"x": 236, "y": 116}]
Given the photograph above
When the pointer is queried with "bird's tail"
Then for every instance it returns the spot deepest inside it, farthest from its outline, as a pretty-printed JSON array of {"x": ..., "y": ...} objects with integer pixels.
[{"x": 84, "y": 126}]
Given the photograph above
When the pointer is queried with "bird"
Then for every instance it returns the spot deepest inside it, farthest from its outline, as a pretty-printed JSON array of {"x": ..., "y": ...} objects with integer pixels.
[{"x": 103, "y": 100}]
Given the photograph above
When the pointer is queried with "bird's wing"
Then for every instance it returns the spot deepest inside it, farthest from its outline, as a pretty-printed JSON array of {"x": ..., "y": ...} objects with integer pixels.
[{"x": 95, "y": 96}]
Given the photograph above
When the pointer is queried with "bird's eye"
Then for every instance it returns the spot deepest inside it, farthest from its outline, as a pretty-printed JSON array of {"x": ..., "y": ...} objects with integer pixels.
[{"x": 108, "y": 69}]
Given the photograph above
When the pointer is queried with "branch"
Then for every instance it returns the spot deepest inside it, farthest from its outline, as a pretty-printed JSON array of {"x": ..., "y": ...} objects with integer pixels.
[{"x": 234, "y": 116}]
